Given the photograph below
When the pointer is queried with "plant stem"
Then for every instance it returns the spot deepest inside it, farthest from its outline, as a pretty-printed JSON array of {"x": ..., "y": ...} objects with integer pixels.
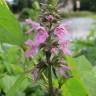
[
  {"x": 48, "y": 55},
  {"x": 50, "y": 81}
]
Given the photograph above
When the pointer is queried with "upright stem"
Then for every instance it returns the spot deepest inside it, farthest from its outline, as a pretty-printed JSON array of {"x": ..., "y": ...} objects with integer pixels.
[
  {"x": 50, "y": 81},
  {"x": 48, "y": 54}
]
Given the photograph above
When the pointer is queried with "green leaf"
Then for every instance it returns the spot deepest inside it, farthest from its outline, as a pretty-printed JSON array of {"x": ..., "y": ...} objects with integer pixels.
[
  {"x": 5, "y": 86},
  {"x": 89, "y": 80},
  {"x": 74, "y": 69},
  {"x": 10, "y": 31},
  {"x": 12, "y": 59},
  {"x": 73, "y": 87},
  {"x": 83, "y": 65},
  {"x": 16, "y": 86},
  {"x": 88, "y": 75},
  {"x": 73, "y": 65},
  {"x": 3, "y": 3}
]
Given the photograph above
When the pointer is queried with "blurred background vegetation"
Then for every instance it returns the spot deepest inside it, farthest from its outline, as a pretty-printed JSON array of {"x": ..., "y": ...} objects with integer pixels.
[
  {"x": 18, "y": 5},
  {"x": 26, "y": 8}
]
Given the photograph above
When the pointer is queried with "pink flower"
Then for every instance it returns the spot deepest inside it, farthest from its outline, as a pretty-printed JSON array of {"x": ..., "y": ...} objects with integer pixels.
[
  {"x": 62, "y": 36},
  {"x": 60, "y": 32},
  {"x": 29, "y": 42},
  {"x": 41, "y": 35},
  {"x": 50, "y": 18},
  {"x": 40, "y": 38},
  {"x": 64, "y": 67},
  {"x": 53, "y": 50},
  {"x": 35, "y": 25},
  {"x": 64, "y": 42},
  {"x": 63, "y": 47},
  {"x": 28, "y": 21},
  {"x": 62, "y": 70},
  {"x": 33, "y": 50},
  {"x": 66, "y": 51}
]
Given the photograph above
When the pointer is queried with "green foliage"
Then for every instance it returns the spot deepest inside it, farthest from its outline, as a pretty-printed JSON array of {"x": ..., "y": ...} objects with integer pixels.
[
  {"x": 86, "y": 47},
  {"x": 32, "y": 13},
  {"x": 10, "y": 31},
  {"x": 85, "y": 73},
  {"x": 12, "y": 69},
  {"x": 13, "y": 83},
  {"x": 88, "y": 76},
  {"x": 52, "y": 4},
  {"x": 15, "y": 86},
  {"x": 73, "y": 87},
  {"x": 11, "y": 59}
]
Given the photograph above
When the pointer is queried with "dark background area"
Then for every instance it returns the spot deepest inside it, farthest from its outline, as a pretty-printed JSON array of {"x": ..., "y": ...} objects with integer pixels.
[{"x": 89, "y": 5}]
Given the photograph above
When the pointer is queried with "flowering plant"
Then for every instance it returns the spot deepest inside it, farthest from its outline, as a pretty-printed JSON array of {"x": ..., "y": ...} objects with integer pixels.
[
  {"x": 46, "y": 53},
  {"x": 51, "y": 37}
]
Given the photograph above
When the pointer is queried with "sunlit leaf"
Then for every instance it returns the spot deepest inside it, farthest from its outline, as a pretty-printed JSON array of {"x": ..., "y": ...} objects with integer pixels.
[
  {"x": 10, "y": 31},
  {"x": 73, "y": 87}
]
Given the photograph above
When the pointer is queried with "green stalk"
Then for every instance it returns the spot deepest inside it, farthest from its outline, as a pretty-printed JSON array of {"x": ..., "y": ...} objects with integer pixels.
[
  {"x": 50, "y": 81},
  {"x": 48, "y": 55}
]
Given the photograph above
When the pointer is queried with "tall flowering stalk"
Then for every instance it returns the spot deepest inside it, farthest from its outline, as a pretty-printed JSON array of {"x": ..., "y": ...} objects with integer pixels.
[{"x": 52, "y": 38}]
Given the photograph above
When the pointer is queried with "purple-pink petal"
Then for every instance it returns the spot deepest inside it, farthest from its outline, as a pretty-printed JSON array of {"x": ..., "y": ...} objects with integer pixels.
[
  {"x": 50, "y": 18},
  {"x": 63, "y": 69},
  {"x": 29, "y": 42},
  {"x": 41, "y": 35},
  {"x": 35, "y": 25},
  {"x": 28, "y": 21},
  {"x": 67, "y": 51},
  {"x": 53, "y": 50},
  {"x": 30, "y": 52},
  {"x": 62, "y": 35}
]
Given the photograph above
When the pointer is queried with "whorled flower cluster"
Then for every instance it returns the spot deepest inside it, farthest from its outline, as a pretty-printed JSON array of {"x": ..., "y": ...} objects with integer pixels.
[
  {"x": 42, "y": 34},
  {"x": 60, "y": 33}
]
